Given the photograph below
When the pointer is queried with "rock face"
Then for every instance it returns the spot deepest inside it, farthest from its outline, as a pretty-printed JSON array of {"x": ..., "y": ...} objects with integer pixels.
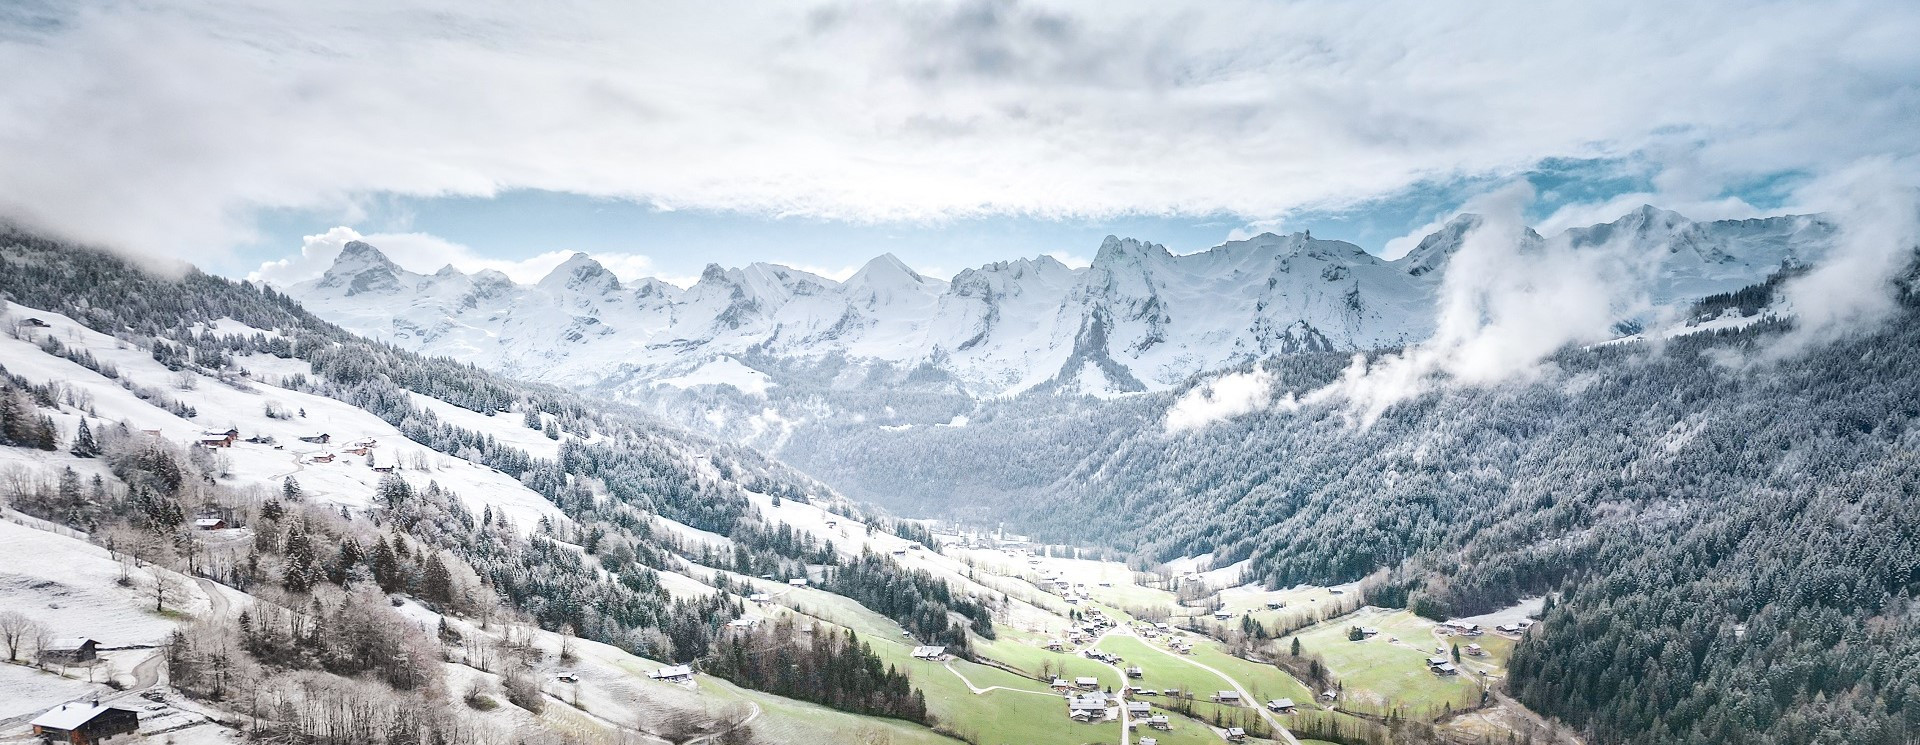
[{"x": 1139, "y": 318}]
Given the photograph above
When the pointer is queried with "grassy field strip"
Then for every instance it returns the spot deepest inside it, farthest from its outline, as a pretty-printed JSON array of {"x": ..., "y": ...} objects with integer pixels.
[
  {"x": 1245, "y": 694},
  {"x": 977, "y": 690}
]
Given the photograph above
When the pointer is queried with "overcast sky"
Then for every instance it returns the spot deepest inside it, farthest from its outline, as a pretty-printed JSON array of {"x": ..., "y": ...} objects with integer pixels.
[{"x": 665, "y": 136}]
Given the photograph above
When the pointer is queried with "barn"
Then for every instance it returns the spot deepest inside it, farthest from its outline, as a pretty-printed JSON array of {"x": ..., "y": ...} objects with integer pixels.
[
  {"x": 84, "y": 723},
  {"x": 71, "y": 650}
]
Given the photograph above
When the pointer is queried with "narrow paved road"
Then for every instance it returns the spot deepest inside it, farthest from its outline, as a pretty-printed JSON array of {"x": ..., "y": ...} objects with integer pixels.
[
  {"x": 1126, "y": 735},
  {"x": 216, "y": 599}
]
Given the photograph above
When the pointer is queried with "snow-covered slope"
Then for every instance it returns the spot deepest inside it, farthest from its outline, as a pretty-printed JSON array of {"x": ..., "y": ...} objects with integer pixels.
[
  {"x": 1139, "y": 318},
  {"x": 244, "y": 406}
]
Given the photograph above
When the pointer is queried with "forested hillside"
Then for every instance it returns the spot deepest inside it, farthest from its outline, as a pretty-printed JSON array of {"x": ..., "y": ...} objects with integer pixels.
[
  {"x": 612, "y": 471},
  {"x": 1734, "y": 542}
]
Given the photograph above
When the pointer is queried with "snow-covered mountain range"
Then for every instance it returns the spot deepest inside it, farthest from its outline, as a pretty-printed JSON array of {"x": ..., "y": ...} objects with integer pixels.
[{"x": 1138, "y": 318}]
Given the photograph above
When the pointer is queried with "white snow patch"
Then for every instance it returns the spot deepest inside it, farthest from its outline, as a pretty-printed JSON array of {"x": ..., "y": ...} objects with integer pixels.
[{"x": 722, "y": 371}]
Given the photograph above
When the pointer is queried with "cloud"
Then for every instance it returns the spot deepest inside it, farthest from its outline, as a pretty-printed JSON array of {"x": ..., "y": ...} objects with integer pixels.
[
  {"x": 1852, "y": 288},
  {"x": 1073, "y": 261},
  {"x": 168, "y": 126},
  {"x": 1225, "y": 397},
  {"x": 424, "y": 253},
  {"x": 1507, "y": 301}
]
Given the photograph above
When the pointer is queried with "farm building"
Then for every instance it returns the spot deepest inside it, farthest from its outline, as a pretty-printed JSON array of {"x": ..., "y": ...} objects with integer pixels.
[
  {"x": 71, "y": 650},
  {"x": 932, "y": 653},
  {"x": 84, "y": 723},
  {"x": 1282, "y": 705},
  {"x": 1135, "y": 672},
  {"x": 673, "y": 673},
  {"x": 1159, "y": 722},
  {"x": 1090, "y": 707},
  {"x": 1139, "y": 708},
  {"x": 321, "y": 438},
  {"x": 210, "y": 523},
  {"x": 1236, "y": 734},
  {"x": 1230, "y": 698},
  {"x": 1088, "y": 682},
  {"x": 797, "y": 582}
]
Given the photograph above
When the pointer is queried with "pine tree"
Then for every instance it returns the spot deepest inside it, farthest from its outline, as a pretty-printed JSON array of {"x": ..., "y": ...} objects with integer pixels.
[
  {"x": 437, "y": 583},
  {"x": 69, "y": 486},
  {"x": 290, "y": 490},
  {"x": 83, "y": 443},
  {"x": 300, "y": 571}
]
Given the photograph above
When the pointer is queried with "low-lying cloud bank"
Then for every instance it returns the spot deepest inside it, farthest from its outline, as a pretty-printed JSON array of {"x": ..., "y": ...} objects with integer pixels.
[{"x": 1510, "y": 299}]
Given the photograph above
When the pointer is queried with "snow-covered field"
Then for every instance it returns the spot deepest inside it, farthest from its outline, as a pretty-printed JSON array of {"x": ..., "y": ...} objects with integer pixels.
[
  {"x": 72, "y": 588},
  {"x": 28, "y": 691}
]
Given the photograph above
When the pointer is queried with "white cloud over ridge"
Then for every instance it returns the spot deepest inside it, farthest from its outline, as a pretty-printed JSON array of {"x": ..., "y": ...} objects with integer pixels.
[
  {"x": 164, "y": 126},
  {"x": 424, "y": 253}
]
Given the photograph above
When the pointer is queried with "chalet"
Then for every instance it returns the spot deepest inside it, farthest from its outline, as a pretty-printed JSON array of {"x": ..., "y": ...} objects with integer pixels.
[
  {"x": 760, "y": 597},
  {"x": 1159, "y": 722},
  {"x": 1222, "y": 614},
  {"x": 1369, "y": 632},
  {"x": 899, "y": 552},
  {"x": 1149, "y": 741},
  {"x": 1139, "y": 709},
  {"x": 1087, "y": 708},
  {"x": 1275, "y": 605},
  {"x": 1437, "y": 660},
  {"x": 567, "y": 678},
  {"x": 1056, "y": 645},
  {"x": 356, "y": 450},
  {"x": 1135, "y": 672},
  {"x": 1446, "y": 669},
  {"x": 744, "y": 622},
  {"x": 1475, "y": 650},
  {"x": 1146, "y": 692},
  {"x": 37, "y": 323},
  {"x": 210, "y": 523},
  {"x": 1061, "y": 684},
  {"x": 1236, "y": 734},
  {"x": 673, "y": 673},
  {"x": 1462, "y": 628},
  {"x": 930, "y": 653},
  {"x": 797, "y": 582},
  {"x": 1282, "y": 705},
  {"x": 323, "y": 458},
  {"x": 1087, "y": 682},
  {"x": 383, "y": 469},
  {"x": 71, "y": 650},
  {"x": 317, "y": 439},
  {"x": 366, "y": 442},
  {"x": 84, "y": 723},
  {"x": 211, "y": 439},
  {"x": 1228, "y": 698}
]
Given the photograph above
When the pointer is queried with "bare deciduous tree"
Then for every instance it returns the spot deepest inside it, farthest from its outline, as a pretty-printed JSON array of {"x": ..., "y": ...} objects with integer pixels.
[{"x": 17, "y": 631}]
